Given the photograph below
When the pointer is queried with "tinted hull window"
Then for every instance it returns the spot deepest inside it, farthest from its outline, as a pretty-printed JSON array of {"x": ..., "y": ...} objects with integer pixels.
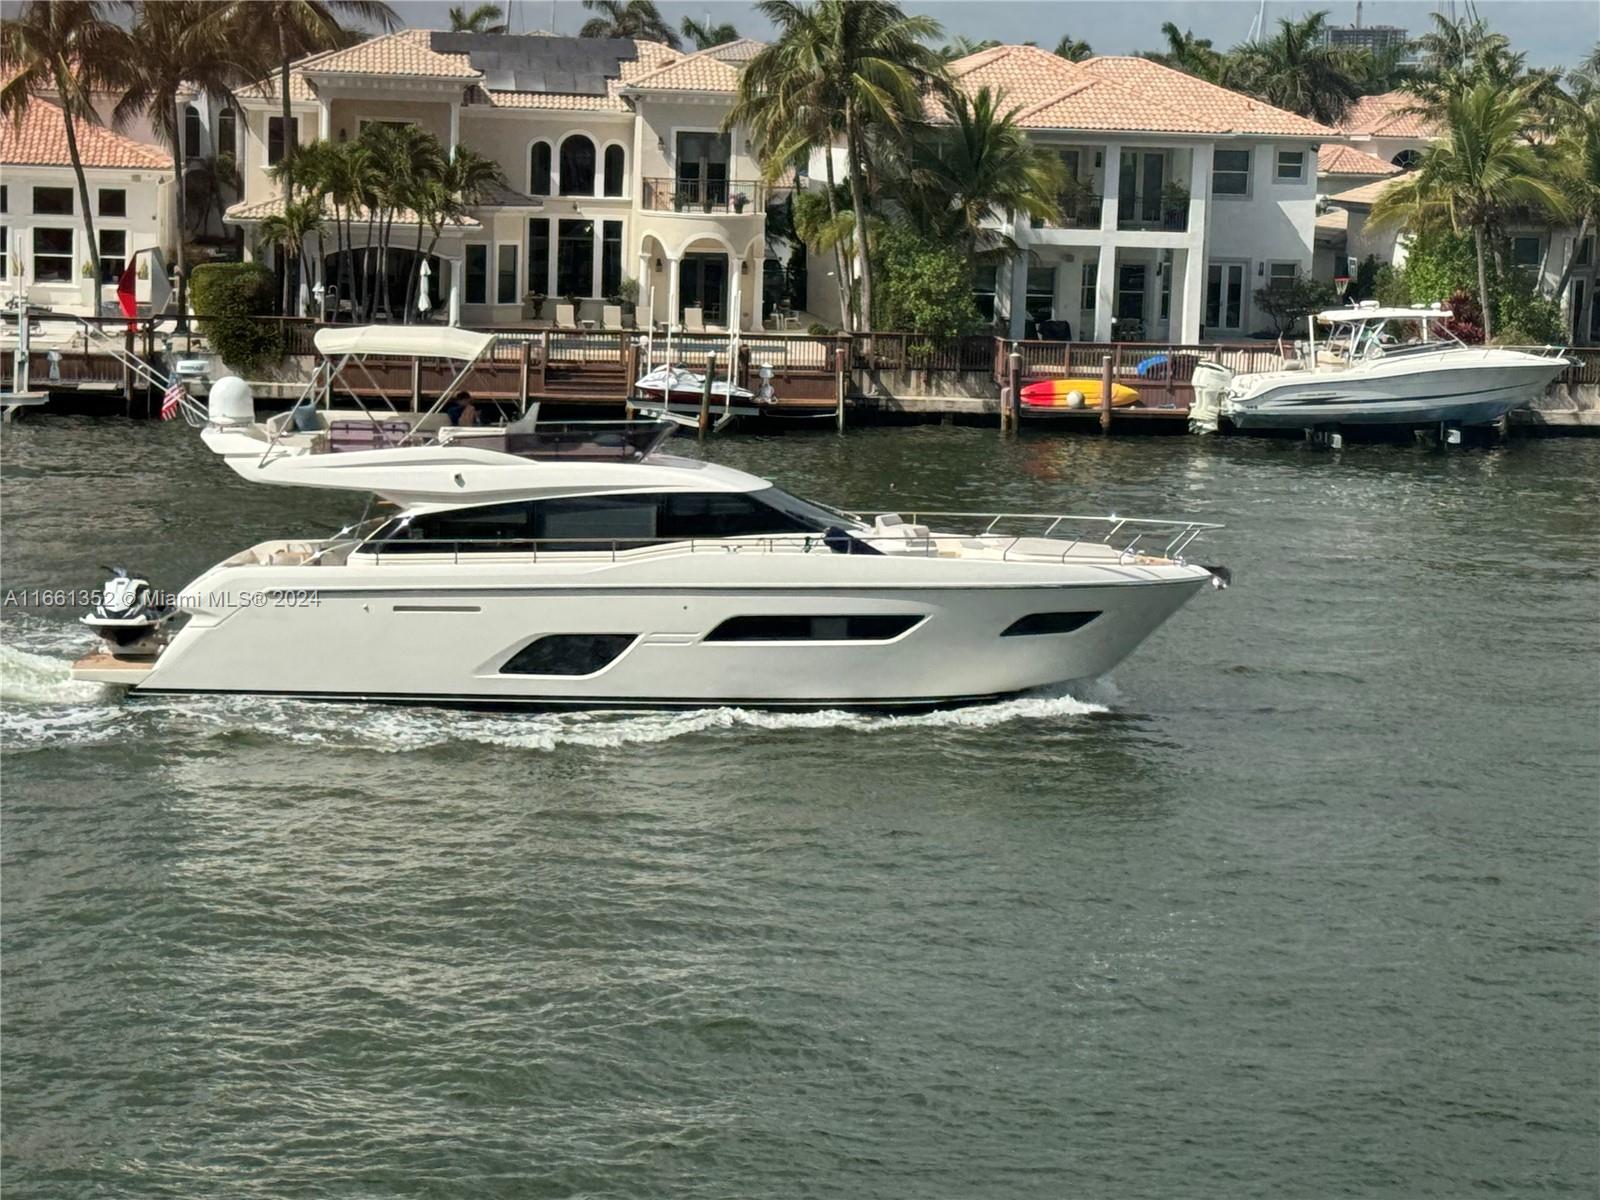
[
  {"x": 568, "y": 654},
  {"x": 1049, "y": 622},
  {"x": 797, "y": 628}
]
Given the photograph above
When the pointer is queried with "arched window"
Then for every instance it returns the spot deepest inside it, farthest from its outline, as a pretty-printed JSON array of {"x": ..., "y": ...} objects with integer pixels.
[
  {"x": 191, "y": 131},
  {"x": 1407, "y": 160},
  {"x": 614, "y": 184},
  {"x": 539, "y": 169},
  {"x": 577, "y": 166},
  {"x": 227, "y": 132}
]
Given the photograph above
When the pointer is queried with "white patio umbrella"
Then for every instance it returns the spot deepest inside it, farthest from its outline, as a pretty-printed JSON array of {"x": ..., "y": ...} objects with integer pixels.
[{"x": 423, "y": 302}]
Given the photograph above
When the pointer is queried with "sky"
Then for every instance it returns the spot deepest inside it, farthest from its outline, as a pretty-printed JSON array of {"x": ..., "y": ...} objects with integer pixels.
[{"x": 1551, "y": 32}]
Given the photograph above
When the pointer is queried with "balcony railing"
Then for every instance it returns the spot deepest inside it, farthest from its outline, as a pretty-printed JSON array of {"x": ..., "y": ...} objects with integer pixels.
[
  {"x": 1153, "y": 210},
  {"x": 705, "y": 195},
  {"x": 1078, "y": 210}
]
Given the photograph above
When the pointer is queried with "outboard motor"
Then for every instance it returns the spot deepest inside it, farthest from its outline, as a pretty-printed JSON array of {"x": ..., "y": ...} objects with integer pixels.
[
  {"x": 130, "y": 616},
  {"x": 1211, "y": 380}
]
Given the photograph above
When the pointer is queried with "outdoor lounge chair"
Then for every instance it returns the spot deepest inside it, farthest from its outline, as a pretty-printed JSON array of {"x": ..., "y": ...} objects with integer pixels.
[
  {"x": 694, "y": 320},
  {"x": 566, "y": 316},
  {"x": 611, "y": 316}
]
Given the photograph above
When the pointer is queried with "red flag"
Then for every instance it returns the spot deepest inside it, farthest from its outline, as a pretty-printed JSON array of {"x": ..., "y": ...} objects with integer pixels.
[{"x": 127, "y": 284}]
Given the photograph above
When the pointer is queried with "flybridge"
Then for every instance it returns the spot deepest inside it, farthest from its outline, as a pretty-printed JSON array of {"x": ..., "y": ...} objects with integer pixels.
[{"x": 536, "y": 63}]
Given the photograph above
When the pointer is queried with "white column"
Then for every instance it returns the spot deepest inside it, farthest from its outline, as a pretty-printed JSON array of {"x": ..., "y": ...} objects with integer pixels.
[
  {"x": 1019, "y": 293},
  {"x": 735, "y": 295},
  {"x": 1110, "y": 185},
  {"x": 1199, "y": 195},
  {"x": 455, "y": 127},
  {"x": 641, "y": 317},
  {"x": 458, "y": 266},
  {"x": 758, "y": 288},
  {"x": 324, "y": 120},
  {"x": 672, "y": 293},
  {"x": 1105, "y": 292},
  {"x": 1188, "y": 294}
]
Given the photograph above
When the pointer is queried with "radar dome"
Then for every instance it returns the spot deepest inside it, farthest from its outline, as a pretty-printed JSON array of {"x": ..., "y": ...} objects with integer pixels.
[{"x": 231, "y": 402}]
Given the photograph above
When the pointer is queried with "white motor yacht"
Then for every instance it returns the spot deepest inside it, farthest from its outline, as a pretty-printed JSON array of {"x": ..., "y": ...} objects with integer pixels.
[
  {"x": 1362, "y": 375},
  {"x": 580, "y": 566}
]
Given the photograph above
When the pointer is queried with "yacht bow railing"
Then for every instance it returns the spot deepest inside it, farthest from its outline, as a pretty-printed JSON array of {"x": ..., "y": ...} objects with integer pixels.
[{"x": 1129, "y": 537}]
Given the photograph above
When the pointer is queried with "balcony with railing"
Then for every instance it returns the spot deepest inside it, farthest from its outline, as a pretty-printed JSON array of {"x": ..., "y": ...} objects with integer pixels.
[
  {"x": 1075, "y": 210},
  {"x": 1166, "y": 210},
  {"x": 705, "y": 195}
]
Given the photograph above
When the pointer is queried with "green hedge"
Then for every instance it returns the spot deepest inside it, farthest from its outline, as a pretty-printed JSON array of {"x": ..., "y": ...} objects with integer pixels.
[{"x": 227, "y": 298}]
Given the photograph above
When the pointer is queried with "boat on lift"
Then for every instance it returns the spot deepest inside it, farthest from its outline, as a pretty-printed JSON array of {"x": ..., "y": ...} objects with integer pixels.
[{"x": 1364, "y": 374}]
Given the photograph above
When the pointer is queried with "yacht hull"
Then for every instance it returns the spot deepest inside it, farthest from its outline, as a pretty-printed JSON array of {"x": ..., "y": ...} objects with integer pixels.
[
  {"x": 1476, "y": 395},
  {"x": 415, "y": 637}
]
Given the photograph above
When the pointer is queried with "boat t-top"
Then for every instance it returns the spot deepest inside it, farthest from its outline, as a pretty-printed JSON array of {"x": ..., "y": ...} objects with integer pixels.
[
  {"x": 1364, "y": 374},
  {"x": 580, "y": 565}
]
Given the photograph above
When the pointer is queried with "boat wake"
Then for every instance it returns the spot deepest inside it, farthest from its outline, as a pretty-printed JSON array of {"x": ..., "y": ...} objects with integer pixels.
[{"x": 42, "y": 706}]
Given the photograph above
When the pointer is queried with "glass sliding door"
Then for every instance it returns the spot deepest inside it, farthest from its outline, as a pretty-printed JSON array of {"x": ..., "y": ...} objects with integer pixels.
[{"x": 703, "y": 169}]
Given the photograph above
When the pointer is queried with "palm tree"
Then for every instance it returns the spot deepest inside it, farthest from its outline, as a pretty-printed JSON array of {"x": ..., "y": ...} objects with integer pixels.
[
  {"x": 1188, "y": 53},
  {"x": 486, "y": 18},
  {"x": 467, "y": 179},
  {"x": 708, "y": 35},
  {"x": 960, "y": 47},
  {"x": 296, "y": 28},
  {"x": 1298, "y": 70},
  {"x": 958, "y": 175},
  {"x": 70, "y": 49},
  {"x": 1073, "y": 49},
  {"x": 176, "y": 45},
  {"x": 628, "y": 19},
  {"x": 288, "y": 232},
  {"x": 1577, "y": 162},
  {"x": 207, "y": 184},
  {"x": 840, "y": 66},
  {"x": 1478, "y": 172}
]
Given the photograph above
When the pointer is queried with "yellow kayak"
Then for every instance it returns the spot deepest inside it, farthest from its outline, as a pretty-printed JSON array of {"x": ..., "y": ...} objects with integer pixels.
[{"x": 1054, "y": 393}]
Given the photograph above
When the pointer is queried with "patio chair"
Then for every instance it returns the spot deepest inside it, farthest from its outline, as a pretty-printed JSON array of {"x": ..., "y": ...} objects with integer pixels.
[
  {"x": 611, "y": 316},
  {"x": 694, "y": 320},
  {"x": 566, "y": 316}
]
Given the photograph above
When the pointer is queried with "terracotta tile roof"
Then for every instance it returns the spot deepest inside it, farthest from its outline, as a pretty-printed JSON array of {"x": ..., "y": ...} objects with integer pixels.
[
  {"x": 1335, "y": 220},
  {"x": 1112, "y": 93},
  {"x": 1347, "y": 160},
  {"x": 1388, "y": 115},
  {"x": 702, "y": 72},
  {"x": 739, "y": 51},
  {"x": 267, "y": 89},
  {"x": 1367, "y": 194},
  {"x": 273, "y": 207},
  {"x": 404, "y": 53},
  {"x": 41, "y": 140},
  {"x": 1233, "y": 112}
]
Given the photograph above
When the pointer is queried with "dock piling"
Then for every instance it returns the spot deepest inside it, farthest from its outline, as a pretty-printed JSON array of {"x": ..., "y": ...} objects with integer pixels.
[
  {"x": 705, "y": 395},
  {"x": 1105, "y": 393},
  {"x": 1011, "y": 402}
]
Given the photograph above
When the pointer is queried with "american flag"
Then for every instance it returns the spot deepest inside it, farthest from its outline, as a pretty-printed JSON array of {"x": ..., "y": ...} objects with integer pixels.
[{"x": 171, "y": 400}]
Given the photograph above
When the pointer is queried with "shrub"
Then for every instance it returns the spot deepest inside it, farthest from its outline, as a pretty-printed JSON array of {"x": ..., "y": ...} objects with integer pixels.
[
  {"x": 1440, "y": 263},
  {"x": 227, "y": 298},
  {"x": 920, "y": 286},
  {"x": 1522, "y": 317},
  {"x": 1466, "y": 316},
  {"x": 1288, "y": 300},
  {"x": 1389, "y": 287},
  {"x": 1365, "y": 284}
]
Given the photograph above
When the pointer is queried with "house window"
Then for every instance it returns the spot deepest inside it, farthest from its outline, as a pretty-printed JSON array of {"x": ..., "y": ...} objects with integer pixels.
[
  {"x": 610, "y": 258},
  {"x": 1281, "y": 273},
  {"x": 574, "y": 257},
  {"x": 1407, "y": 160},
  {"x": 1041, "y": 296},
  {"x": 1086, "y": 297},
  {"x": 1291, "y": 166},
  {"x": 577, "y": 166},
  {"x": 1585, "y": 247},
  {"x": 1230, "y": 173},
  {"x": 5, "y": 252},
  {"x": 5, "y": 198},
  {"x": 113, "y": 202},
  {"x": 113, "y": 253},
  {"x": 52, "y": 255},
  {"x": 505, "y": 285},
  {"x": 539, "y": 169},
  {"x": 477, "y": 275},
  {"x": 984, "y": 278},
  {"x": 227, "y": 132},
  {"x": 1525, "y": 252},
  {"x": 614, "y": 161},
  {"x": 53, "y": 201},
  {"x": 1225, "y": 295},
  {"x": 539, "y": 255},
  {"x": 275, "y": 138},
  {"x": 191, "y": 131}
]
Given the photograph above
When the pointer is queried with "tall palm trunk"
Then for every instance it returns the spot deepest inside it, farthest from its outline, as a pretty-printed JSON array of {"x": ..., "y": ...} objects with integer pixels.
[
  {"x": 290, "y": 142},
  {"x": 858, "y": 203},
  {"x": 180, "y": 175},
  {"x": 847, "y": 291},
  {"x": 369, "y": 255},
  {"x": 414, "y": 282},
  {"x": 1483, "y": 284},
  {"x": 1572, "y": 261},
  {"x": 83, "y": 184}
]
